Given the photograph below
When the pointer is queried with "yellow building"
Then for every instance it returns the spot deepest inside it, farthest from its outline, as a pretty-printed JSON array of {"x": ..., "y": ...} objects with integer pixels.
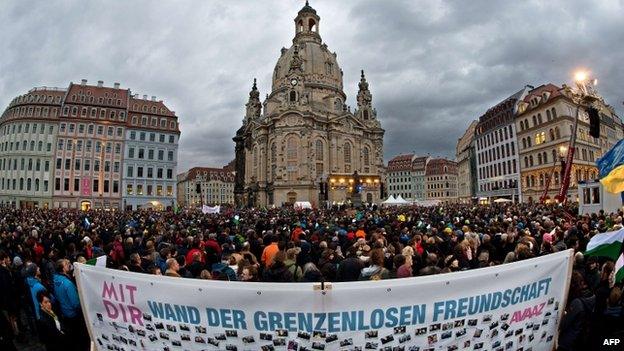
[{"x": 544, "y": 126}]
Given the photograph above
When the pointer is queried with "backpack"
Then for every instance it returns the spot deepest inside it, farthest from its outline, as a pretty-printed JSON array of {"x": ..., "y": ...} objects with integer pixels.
[{"x": 294, "y": 271}]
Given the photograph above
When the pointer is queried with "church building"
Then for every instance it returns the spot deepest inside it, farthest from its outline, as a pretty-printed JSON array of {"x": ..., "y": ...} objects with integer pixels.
[{"x": 303, "y": 143}]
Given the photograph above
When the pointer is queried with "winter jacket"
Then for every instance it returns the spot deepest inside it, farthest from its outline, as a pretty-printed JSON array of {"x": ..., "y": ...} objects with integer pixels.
[
  {"x": 8, "y": 293},
  {"x": 312, "y": 276},
  {"x": 349, "y": 269},
  {"x": 67, "y": 296},
  {"x": 35, "y": 286},
  {"x": 573, "y": 324},
  {"x": 117, "y": 254},
  {"x": 328, "y": 269},
  {"x": 277, "y": 273},
  {"x": 294, "y": 270},
  {"x": 53, "y": 338},
  {"x": 268, "y": 254}
]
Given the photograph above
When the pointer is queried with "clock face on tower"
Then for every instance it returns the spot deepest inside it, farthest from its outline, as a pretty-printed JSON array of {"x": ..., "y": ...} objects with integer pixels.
[{"x": 294, "y": 81}]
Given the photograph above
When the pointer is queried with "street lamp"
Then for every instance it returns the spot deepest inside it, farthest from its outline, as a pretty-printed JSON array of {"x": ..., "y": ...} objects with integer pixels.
[{"x": 583, "y": 96}]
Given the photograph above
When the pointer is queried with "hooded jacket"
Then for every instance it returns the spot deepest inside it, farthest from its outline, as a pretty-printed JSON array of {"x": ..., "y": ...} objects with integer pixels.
[
  {"x": 67, "y": 295},
  {"x": 35, "y": 286}
]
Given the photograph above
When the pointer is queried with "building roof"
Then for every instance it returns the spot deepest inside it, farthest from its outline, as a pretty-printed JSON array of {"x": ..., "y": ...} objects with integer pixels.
[
  {"x": 114, "y": 97},
  {"x": 149, "y": 106},
  {"x": 400, "y": 163},
  {"x": 436, "y": 167},
  {"x": 222, "y": 174}
]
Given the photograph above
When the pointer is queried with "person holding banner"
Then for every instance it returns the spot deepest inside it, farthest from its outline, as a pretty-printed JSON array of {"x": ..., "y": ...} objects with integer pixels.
[{"x": 67, "y": 296}]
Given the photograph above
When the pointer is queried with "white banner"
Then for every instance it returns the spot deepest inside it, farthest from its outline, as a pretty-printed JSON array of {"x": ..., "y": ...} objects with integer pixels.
[
  {"x": 509, "y": 307},
  {"x": 207, "y": 209}
]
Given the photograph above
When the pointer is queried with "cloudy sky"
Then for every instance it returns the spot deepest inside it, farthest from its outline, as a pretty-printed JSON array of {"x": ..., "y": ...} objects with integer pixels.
[{"x": 433, "y": 66}]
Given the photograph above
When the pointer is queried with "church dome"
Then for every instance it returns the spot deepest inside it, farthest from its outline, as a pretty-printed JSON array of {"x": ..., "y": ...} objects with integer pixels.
[{"x": 319, "y": 65}]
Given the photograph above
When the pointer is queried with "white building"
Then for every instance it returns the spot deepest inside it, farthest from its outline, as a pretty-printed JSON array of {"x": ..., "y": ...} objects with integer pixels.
[
  {"x": 498, "y": 170},
  {"x": 28, "y": 129},
  {"x": 206, "y": 186},
  {"x": 150, "y": 155}
]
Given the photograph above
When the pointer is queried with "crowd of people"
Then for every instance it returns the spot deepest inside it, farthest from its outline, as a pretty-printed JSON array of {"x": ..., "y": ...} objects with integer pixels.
[{"x": 38, "y": 295}]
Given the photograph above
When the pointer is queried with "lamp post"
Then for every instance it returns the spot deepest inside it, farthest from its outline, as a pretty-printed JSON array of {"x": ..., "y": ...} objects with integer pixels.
[{"x": 584, "y": 95}]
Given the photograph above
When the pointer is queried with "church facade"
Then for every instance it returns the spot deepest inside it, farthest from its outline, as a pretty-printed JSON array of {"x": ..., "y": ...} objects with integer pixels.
[{"x": 302, "y": 143}]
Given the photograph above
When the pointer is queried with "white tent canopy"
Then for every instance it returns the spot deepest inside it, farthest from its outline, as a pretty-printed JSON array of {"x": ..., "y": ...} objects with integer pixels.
[
  {"x": 389, "y": 201},
  {"x": 401, "y": 201},
  {"x": 398, "y": 201}
]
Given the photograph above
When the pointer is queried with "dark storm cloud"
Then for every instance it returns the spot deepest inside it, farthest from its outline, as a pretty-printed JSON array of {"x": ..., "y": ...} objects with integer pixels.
[{"x": 433, "y": 66}]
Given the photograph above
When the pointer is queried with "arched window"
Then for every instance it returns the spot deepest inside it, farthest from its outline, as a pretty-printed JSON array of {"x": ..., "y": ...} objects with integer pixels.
[
  {"x": 293, "y": 96},
  {"x": 291, "y": 158},
  {"x": 557, "y": 133},
  {"x": 32, "y": 145},
  {"x": 319, "y": 150},
  {"x": 545, "y": 157},
  {"x": 273, "y": 153},
  {"x": 347, "y": 153},
  {"x": 534, "y": 121},
  {"x": 255, "y": 161},
  {"x": 553, "y": 113},
  {"x": 548, "y": 118},
  {"x": 539, "y": 118},
  {"x": 539, "y": 159},
  {"x": 40, "y": 146},
  {"x": 28, "y": 184},
  {"x": 311, "y": 25},
  {"x": 526, "y": 161},
  {"x": 529, "y": 142},
  {"x": 554, "y": 155},
  {"x": 291, "y": 149},
  {"x": 541, "y": 179},
  {"x": 551, "y": 132},
  {"x": 365, "y": 156},
  {"x": 365, "y": 114},
  {"x": 338, "y": 105},
  {"x": 524, "y": 144},
  {"x": 36, "y": 184},
  {"x": 531, "y": 160},
  {"x": 21, "y": 184}
]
